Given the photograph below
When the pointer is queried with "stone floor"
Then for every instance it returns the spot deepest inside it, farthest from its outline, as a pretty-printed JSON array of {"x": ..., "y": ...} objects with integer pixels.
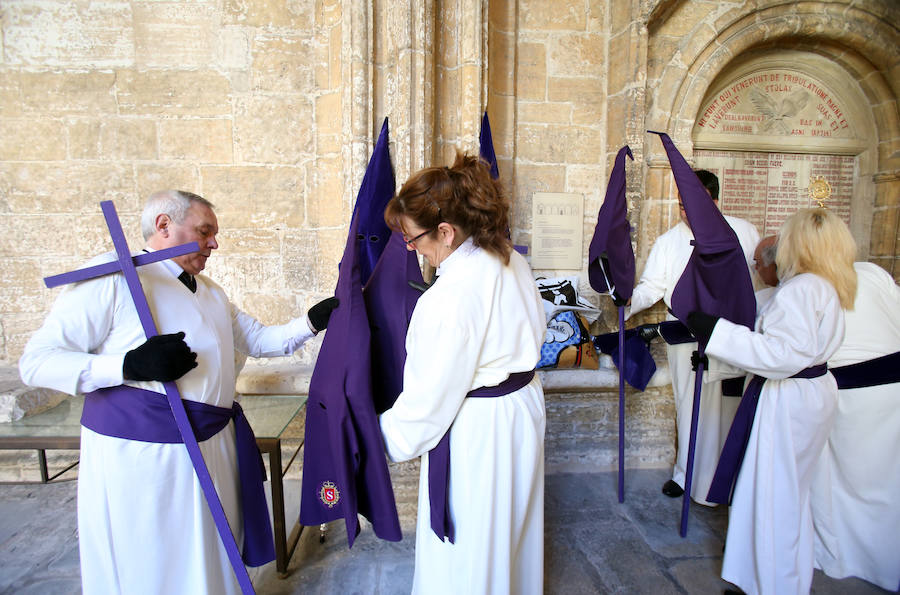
[{"x": 593, "y": 544}]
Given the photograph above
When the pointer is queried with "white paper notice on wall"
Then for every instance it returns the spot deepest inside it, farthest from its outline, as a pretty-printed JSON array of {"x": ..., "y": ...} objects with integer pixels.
[{"x": 557, "y": 224}]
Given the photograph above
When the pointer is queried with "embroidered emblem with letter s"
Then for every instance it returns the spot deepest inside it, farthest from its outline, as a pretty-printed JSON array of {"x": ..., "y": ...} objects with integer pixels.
[{"x": 329, "y": 494}]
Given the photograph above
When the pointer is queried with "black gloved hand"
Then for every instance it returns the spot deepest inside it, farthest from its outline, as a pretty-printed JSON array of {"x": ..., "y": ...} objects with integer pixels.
[
  {"x": 320, "y": 313},
  {"x": 648, "y": 332},
  {"x": 696, "y": 359},
  {"x": 619, "y": 302},
  {"x": 163, "y": 357},
  {"x": 701, "y": 325}
]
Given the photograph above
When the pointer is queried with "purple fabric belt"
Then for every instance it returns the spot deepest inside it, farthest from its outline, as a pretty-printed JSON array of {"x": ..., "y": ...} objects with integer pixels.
[
  {"x": 136, "y": 414},
  {"x": 721, "y": 489},
  {"x": 439, "y": 458},
  {"x": 873, "y": 372}
]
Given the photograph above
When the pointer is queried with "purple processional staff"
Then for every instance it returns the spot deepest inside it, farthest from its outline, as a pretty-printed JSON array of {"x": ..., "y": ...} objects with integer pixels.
[
  {"x": 611, "y": 271},
  {"x": 716, "y": 280},
  {"x": 345, "y": 471},
  {"x": 144, "y": 520}
]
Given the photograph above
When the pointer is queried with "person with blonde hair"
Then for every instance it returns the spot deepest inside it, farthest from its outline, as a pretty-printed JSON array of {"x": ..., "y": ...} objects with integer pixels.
[
  {"x": 788, "y": 408},
  {"x": 471, "y": 406}
]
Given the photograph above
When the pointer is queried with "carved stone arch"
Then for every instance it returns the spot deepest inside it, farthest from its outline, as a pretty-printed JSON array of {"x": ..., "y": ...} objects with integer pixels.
[{"x": 859, "y": 39}]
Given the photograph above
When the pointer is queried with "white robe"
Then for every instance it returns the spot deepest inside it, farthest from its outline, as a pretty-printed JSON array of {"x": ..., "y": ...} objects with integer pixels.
[
  {"x": 855, "y": 506},
  {"x": 480, "y": 322},
  {"x": 769, "y": 547},
  {"x": 668, "y": 258},
  {"x": 143, "y": 522}
]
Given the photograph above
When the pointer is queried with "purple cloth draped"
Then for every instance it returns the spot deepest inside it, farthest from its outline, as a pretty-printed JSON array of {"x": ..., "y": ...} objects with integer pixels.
[
  {"x": 136, "y": 414},
  {"x": 439, "y": 458},
  {"x": 638, "y": 363},
  {"x": 873, "y": 372},
  {"x": 375, "y": 192},
  {"x": 610, "y": 256},
  {"x": 345, "y": 471},
  {"x": 486, "y": 146},
  {"x": 716, "y": 279},
  {"x": 721, "y": 489},
  {"x": 390, "y": 302}
]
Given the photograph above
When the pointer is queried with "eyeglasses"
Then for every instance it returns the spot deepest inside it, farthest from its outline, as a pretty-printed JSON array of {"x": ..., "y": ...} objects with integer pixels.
[{"x": 412, "y": 241}]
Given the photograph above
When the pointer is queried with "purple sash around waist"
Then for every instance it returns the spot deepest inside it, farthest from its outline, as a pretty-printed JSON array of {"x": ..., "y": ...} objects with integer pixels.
[
  {"x": 873, "y": 372},
  {"x": 136, "y": 414},
  {"x": 721, "y": 489},
  {"x": 439, "y": 458}
]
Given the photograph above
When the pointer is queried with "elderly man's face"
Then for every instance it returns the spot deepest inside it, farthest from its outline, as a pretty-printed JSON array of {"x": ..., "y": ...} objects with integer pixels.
[
  {"x": 767, "y": 273},
  {"x": 200, "y": 225}
]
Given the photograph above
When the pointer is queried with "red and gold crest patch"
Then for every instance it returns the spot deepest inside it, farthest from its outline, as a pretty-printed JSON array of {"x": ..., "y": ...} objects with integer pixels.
[{"x": 329, "y": 494}]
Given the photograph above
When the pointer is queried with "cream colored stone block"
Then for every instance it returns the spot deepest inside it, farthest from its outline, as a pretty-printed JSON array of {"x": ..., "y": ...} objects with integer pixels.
[
  {"x": 449, "y": 38},
  {"x": 27, "y": 292},
  {"x": 686, "y": 16},
  {"x": 68, "y": 34},
  {"x": 199, "y": 93},
  {"x": 270, "y": 309},
  {"x": 577, "y": 54},
  {"x": 64, "y": 188},
  {"x": 325, "y": 204},
  {"x": 591, "y": 181},
  {"x": 885, "y": 226},
  {"x": 258, "y": 197},
  {"x": 233, "y": 48},
  {"x": 328, "y": 12},
  {"x": 624, "y": 66},
  {"x": 331, "y": 243},
  {"x": 204, "y": 141},
  {"x": 545, "y": 113},
  {"x": 255, "y": 242},
  {"x": 83, "y": 138},
  {"x": 249, "y": 273},
  {"x": 286, "y": 14},
  {"x": 328, "y": 113},
  {"x": 150, "y": 177},
  {"x": 283, "y": 64},
  {"x": 502, "y": 16},
  {"x": 531, "y": 178},
  {"x": 174, "y": 34},
  {"x": 32, "y": 140},
  {"x": 300, "y": 257},
  {"x": 544, "y": 15},
  {"x": 531, "y": 75},
  {"x": 122, "y": 139},
  {"x": 273, "y": 129},
  {"x": 57, "y": 94},
  {"x": 501, "y": 63}
]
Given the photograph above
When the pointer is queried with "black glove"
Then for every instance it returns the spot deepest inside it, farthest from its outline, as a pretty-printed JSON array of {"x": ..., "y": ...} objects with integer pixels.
[
  {"x": 619, "y": 302},
  {"x": 648, "y": 332},
  {"x": 696, "y": 359},
  {"x": 163, "y": 357},
  {"x": 701, "y": 325},
  {"x": 320, "y": 313}
]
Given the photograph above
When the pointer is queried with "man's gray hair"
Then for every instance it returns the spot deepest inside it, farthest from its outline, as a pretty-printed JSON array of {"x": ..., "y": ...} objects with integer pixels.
[
  {"x": 767, "y": 254},
  {"x": 174, "y": 203}
]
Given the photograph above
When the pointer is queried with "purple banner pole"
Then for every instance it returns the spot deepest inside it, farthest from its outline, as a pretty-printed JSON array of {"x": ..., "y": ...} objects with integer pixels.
[
  {"x": 127, "y": 265},
  {"x": 692, "y": 443},
  {"x": 621, "y": 404}
]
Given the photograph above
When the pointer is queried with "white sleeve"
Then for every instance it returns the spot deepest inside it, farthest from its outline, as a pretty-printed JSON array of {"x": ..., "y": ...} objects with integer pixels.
[
  {"x": 786, "y": 345},
  {"x": 60, "y": 353},
  {"x": 255, "y": 339},
  {"x": 652, "y": 285}
]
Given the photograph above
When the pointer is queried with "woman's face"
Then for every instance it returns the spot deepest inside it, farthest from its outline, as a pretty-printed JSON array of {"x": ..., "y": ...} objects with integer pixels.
[{"x": 432, "y": 246}]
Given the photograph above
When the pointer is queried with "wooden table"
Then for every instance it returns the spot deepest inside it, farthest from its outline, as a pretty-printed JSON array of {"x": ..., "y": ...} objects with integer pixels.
[{"x": 59, "y": 428}]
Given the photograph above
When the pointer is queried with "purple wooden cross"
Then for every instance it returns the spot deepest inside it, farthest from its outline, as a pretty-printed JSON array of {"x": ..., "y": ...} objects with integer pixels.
[{"x": 127, "y": 265}]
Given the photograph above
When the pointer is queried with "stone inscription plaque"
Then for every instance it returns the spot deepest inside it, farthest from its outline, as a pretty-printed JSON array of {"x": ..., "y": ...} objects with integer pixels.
[
  {"x": 765, "y": 188},
  {"x": 776, "y": 102}
]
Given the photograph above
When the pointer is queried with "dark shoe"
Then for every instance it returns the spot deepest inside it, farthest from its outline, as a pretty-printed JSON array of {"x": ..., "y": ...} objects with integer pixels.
[
  {"x": 672, "y": 489},
  {"x": 733, "y": 592}
]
